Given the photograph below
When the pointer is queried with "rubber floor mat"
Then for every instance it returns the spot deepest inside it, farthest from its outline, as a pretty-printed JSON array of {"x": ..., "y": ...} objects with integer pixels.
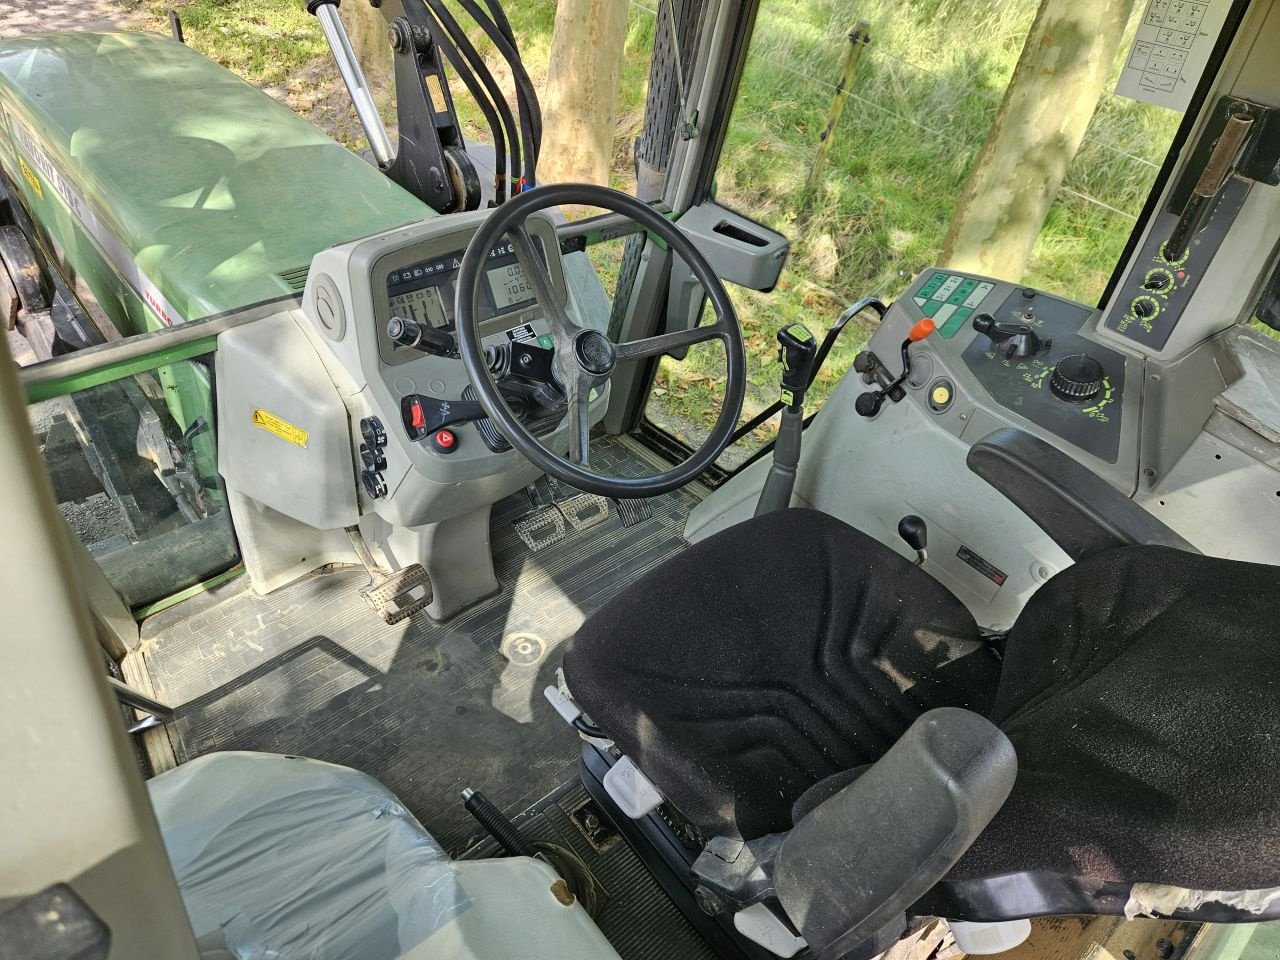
[
  {"x": 632, "y": 911},
  {"x": 426, "y": 708}
]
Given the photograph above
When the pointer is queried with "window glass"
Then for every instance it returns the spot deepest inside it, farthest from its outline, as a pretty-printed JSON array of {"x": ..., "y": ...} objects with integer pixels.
[
  {"x": 134, "y": 467},
  {"x": 924, "y": 95}
]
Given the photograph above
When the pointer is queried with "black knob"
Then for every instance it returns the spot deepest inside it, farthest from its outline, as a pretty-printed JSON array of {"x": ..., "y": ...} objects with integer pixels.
[
  {"x": 913, "y": 530},
  {"x": 374, "y": 485},
  {"x": 404, "y": 331},
  {"x": 373, "y": 432},
  {"x": 1010, "y": 340},
  {"x": 1077, "y": 378}
]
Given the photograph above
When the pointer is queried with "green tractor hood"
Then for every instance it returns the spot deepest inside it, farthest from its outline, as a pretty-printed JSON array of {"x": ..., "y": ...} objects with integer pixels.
[{"x": 168, "y": 187}]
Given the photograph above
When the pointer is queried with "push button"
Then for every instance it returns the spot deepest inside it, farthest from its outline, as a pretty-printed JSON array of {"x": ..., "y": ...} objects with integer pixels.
[
  {"x": 444, "y": 441},
  {"x": 941, "y": 395}
]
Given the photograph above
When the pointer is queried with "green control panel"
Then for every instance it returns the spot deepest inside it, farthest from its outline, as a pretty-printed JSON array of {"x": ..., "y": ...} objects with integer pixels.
[{"x": 949, "y": 300}]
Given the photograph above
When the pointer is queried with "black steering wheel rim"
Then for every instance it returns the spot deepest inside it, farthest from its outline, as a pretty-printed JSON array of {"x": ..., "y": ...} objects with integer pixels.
[{"x": 578, "y": 359}]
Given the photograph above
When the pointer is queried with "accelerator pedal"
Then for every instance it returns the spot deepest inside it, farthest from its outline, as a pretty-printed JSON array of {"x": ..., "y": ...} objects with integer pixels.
[
  {"x": 632, "y": 512},
  {"x": 396, "y": 595}
]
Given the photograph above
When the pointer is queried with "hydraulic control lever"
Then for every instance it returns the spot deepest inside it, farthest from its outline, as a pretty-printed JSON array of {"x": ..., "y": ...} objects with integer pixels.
[
  {"x": 1217, "y": 171},
  {"x": 797, "y": 352},
  {"x": 868, "y": 404},
  {"x": 1012, "y": 341}
]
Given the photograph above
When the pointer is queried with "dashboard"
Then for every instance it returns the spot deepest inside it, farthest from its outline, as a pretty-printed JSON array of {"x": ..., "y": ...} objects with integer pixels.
[{"x": 380, "y": 313}]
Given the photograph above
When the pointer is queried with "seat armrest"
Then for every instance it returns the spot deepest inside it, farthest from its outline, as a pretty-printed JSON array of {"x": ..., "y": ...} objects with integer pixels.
[
  {"x": 848, "y": 871},
  {"x": 1079, "y": 510}
]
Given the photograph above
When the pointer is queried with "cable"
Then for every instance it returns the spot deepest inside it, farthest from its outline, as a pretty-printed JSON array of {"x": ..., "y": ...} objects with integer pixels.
[
  {"x": 526, "y": 98},
  {"x": 466, "y": 49}
]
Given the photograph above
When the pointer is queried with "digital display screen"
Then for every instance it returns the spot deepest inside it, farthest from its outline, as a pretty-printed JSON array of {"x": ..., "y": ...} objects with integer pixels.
[
  {"x": 422, "y": 305},
  {"x": 509, "y": 286},
  {"x": 424, "y": 291}
]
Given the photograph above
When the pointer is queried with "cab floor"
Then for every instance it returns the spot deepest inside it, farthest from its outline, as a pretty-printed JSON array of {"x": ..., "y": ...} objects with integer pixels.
[{"x": 426, "y": 708}]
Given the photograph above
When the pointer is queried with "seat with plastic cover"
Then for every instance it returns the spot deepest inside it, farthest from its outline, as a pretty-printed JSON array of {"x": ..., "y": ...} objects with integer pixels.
[{"x": 285, "y": 857}]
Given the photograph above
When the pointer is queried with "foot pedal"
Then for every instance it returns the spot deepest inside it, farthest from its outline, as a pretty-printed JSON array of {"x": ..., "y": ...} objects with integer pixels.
[
  {"x": 399, "y": 595},
  {"x": 632, "y": 512},
  {"x": 584, "y": 511},
  {"x": 541, "y": 529}
]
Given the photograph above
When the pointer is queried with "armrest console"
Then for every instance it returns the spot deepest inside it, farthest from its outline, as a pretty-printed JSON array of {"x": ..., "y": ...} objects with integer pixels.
[
  {"x": 1081, "y": 512},
  {"x": 849, "y": 870}
]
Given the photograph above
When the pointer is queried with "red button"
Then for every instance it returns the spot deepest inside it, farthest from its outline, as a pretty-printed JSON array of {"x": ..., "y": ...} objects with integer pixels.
[
  {"x": 446, "y": 439},
  {"x": 417, "y": 417}
]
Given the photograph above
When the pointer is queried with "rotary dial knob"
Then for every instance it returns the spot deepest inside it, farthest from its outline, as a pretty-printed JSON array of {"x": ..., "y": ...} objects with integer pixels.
[{"x": 1077, "y": 378}]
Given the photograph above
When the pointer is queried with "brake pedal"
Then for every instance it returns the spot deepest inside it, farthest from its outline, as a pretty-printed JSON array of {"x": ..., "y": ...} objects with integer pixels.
[
  {"x": 632, "y": 512},
  {"x": 584, "y": 511},
  {"x": 399, "y": 595},
  {"x": 541, "y": 529}
]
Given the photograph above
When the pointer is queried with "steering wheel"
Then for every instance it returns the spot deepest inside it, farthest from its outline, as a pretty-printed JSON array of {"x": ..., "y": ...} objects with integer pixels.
[{"x": 585, "y": 358}]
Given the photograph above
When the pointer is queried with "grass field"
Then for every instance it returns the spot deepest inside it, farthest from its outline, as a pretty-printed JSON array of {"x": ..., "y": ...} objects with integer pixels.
[{"x": 926, "y": 91}]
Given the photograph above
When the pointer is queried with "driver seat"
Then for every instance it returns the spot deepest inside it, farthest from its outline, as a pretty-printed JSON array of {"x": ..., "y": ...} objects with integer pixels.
[{"x": 759, "y": 674}]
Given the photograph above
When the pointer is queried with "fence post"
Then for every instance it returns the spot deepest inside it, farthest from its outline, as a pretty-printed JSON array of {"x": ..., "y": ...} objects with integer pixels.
[{"x": 858, "y": 38}]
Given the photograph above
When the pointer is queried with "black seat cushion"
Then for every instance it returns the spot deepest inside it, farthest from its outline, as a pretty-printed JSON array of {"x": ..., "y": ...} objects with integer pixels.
[
  {"x": 1141, "y": 690},
  {"x": 768, "y": 657}
]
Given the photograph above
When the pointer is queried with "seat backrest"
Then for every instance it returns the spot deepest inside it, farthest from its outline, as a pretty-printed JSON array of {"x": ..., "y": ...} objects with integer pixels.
[{"x": 1141, "y": 690}]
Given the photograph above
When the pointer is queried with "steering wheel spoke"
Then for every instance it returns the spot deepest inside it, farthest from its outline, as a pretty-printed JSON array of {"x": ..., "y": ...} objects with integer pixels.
[
  {"x": 578, "y": 400},
  {"x": 562, "y": 327},
  {"x": 666, "y": 342}
]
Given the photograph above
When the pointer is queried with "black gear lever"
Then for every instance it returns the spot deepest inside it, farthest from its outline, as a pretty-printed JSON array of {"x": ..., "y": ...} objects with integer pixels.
[{"x": 914, "y": 530}]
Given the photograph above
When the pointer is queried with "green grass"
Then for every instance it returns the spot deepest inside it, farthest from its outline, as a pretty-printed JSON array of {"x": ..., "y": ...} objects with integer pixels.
[{"x": 926, "y": 91}]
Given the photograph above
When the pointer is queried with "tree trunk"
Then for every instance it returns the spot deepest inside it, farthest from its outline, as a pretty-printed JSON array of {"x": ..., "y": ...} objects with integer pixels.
[
  {"x": 1065, "y": 62},
  {"x": 582, "y": 91}
]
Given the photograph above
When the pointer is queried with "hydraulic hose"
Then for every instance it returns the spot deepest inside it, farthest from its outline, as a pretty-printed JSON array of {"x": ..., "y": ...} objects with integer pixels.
[
  {"x": 475, "y": 61},
  {"x": 464, "y": 70},
  {"x": 526, "y": 98}
]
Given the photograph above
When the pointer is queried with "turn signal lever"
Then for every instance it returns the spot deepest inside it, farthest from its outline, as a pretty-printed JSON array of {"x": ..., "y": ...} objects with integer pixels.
[
  {"x": 404, "y": 332},
  {"x": 868, "y": 404},
  {"x": 797, "y": 352}
]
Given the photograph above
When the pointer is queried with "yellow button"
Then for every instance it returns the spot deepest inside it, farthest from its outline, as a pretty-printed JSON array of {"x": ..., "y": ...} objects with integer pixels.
[{"x": 941, "y": 395}]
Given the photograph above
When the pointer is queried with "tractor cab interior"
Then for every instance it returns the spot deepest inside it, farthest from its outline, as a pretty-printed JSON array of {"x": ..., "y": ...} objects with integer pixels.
[{"x": 429, "y": 644}]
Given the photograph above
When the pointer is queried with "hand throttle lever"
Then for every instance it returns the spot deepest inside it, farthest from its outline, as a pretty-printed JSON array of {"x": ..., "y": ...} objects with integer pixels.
[{"x": 868, "y": 404}]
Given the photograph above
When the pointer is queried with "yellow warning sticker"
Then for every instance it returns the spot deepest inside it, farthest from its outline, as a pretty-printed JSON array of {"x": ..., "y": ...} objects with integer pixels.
[
  {"x": 31, "y": 178},
  {"x": 281, "y": 428}
]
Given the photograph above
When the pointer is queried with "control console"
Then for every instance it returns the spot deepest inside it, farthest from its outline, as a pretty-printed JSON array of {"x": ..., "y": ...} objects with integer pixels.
[{"x": 1005, "y": 354}]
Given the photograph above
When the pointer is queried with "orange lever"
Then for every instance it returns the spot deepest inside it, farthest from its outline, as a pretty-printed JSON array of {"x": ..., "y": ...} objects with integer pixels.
[{"x": 921, "y": 330}]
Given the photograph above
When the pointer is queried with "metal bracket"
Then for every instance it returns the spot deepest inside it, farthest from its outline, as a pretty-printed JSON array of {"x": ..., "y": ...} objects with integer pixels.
[{"x": 431, "y": 161}]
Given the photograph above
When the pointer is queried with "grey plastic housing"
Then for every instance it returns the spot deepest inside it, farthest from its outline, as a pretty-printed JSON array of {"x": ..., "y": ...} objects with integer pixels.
[
  {"x": 849, "y": 870},
  {"x": 739, "y": 250},
  {"x": 1081, "y": 512}
]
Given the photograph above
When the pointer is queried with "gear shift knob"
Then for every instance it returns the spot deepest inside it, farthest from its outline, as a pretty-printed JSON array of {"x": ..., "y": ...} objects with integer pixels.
[{"x": 915, "y": 532}]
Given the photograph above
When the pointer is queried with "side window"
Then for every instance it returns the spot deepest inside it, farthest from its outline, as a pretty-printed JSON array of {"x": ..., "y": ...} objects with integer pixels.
[
  {"x": 923, "y": 91},
  {"x": 134, "y": 466}
]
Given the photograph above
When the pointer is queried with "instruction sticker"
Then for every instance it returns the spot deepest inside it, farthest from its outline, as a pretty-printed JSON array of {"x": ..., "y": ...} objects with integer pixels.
[
  {"x": 29, "y": 175},
  {"x": 281, "y": 428},
  {"x": 1170, "y": 51}
]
